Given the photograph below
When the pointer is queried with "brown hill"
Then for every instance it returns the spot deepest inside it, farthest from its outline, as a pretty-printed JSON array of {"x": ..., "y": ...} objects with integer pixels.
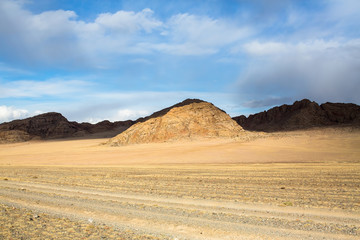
[
  {"x": 54, "y": 125},
  {"x": 166, "y": 110},
  {"x": 302, "y": 115},
  {"x": 188, "y": 120},
  {"x": 48, "y": 125}
]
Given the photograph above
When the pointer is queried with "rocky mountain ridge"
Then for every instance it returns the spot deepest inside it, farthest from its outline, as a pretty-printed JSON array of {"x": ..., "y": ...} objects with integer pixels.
[
  {"x": 54, "y": 125},
  {"x": 302, "y": 114}
]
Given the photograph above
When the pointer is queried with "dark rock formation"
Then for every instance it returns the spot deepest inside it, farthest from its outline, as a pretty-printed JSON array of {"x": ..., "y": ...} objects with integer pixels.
[
  {"x": 301, "y": 115},
  {"x": 105, "y": 126},
  {"x": 47, "y": 125},
  {"x": 13, "y": 136},
  {"x": 53, "y": 125},
  {"x": 342, "y": 113}
]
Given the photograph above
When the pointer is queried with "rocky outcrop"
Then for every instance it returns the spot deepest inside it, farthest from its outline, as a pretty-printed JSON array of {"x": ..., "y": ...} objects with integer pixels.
[
  {"x": 166, "y": 110},
  {"x": 301, "y": 115},
  {"x": 14, "y": 136},
  {"x": 52, "y": 126},
  {"x": 47, "y": 125},
  {"x": 342, "y": 113},
  {"x": 187, "y": 120},
  {"x": 105, "y": 126}
]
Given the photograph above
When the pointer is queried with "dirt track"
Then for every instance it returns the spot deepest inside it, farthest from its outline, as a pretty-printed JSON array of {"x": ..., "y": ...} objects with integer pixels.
[
  {"x": 196, "y": 202},
  {"x": 296, "y": 185}
]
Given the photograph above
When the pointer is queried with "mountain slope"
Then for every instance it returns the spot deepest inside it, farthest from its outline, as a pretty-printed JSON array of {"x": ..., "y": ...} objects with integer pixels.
[
  {"x": 52, "y": 126},
  {"x": 193, "y": 120},
  {"x": 301, "y": 115}
]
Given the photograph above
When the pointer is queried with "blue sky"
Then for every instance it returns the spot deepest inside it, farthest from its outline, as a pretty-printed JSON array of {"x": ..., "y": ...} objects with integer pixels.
[{"x": 101, "y": 59}]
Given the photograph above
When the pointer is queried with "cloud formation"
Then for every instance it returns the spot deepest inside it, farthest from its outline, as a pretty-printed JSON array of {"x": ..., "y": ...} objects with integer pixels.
[
  {"x": 59, "y": 39},
  {"x": 55, "y": 87},
  {"x": 128, "y": 22},
  {"x": 320, "y": 70},
  {"x": 8, "y": 113}
]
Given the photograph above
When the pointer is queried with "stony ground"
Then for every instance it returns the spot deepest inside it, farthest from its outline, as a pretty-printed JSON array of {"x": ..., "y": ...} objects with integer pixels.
[
  {"x": 20, "y": 223},
  {"x": 239, "y": 201}
]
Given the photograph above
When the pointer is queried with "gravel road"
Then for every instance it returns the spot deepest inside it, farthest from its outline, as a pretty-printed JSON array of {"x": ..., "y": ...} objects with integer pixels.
[{"x": 58, "y": 211}]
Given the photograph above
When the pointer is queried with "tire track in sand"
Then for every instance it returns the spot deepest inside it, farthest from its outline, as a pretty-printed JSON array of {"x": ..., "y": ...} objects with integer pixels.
[{"x": 181, "y": 218}]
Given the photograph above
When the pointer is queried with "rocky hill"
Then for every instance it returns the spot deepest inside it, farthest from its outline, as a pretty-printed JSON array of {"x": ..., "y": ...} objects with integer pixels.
[
  {"x": 166, "y": 110},
  {"x": 188, "y": 120},
  {"x": 302, "y": 115},
  {"x": 53, "y": 125}
]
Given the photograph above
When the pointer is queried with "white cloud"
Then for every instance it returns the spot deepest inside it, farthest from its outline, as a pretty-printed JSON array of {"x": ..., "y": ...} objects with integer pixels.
[
  {"x": 129, "y": 22},
  {"x": 46, "y": 38},
  {"x": 202, "y": 30},
  {"x": 342, "y": 10},
  {"x": 126, "y": 114},
  {"x": 256, "y": 48},
  {"x": 50, "y": 87},
  {"x": 58, "y": 38},
  {"x": 8, "y": 69},
  {"x": 199, "y": 35},
  {"x": 10, "y": 113}
]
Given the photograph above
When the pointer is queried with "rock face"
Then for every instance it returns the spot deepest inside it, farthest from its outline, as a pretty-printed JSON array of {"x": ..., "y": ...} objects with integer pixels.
[
  {"x": 14, "y": 136},
  {"x": 301, "y": 115},
  {"x": 105, "y": 126},
  {"x": 48, "y": 125},
  {"x": 166, "y": 110},
  {"x": 187, "y": 120},
  {"x": 54, "y": 125}
]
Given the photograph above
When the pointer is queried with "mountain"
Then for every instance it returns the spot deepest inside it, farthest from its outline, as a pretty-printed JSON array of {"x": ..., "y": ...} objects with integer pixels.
[
  {"x": 302, "y": 115},
  {"x": 166, "y": 110},
  {"x": 188, "y": 120},
  {"x": 53, "y": 125}
]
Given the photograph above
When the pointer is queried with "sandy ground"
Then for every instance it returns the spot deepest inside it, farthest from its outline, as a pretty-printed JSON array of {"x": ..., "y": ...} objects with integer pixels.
[
  {"x": 294, "y": 185},
  {"x": 330, "y": 145}
]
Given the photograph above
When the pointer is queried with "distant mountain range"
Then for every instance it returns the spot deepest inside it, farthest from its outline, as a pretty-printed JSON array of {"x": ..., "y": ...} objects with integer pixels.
[{"x": 300, "y": 115}]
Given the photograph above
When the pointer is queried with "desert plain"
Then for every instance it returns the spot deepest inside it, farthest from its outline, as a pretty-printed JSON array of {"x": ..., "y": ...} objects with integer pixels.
[{"x": 286, "y": 185}]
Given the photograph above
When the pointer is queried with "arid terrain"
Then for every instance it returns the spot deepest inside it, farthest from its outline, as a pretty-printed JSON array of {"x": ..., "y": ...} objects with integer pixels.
[{"x": 287, "y": 185}]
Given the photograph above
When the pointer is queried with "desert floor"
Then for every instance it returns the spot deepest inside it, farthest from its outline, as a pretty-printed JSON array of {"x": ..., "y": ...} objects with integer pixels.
[{"x": 292, "y": 185}]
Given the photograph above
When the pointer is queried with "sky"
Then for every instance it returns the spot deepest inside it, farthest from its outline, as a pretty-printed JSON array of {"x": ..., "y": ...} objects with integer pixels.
[{"x": 93, "y": 60}]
